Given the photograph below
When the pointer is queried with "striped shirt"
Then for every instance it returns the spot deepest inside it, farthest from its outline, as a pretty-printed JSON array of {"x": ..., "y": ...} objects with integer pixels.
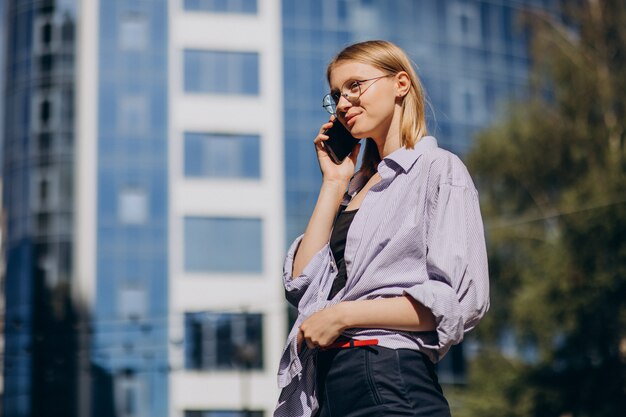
[{"x": 418, "y": 232}]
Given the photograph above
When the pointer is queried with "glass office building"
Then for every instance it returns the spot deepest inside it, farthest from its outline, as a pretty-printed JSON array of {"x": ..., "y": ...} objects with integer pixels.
[
  {"x": 130, "y": 328},
  {"x": 144, "y": 205},
  {"x": 41, "y": 344},
  {"x": 64, "y": 356}
]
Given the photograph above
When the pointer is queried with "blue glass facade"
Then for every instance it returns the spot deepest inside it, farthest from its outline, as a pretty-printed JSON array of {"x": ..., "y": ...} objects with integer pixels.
[
  {"x": 223, "y": 341},
  {"x": 223, "y": 244},
  {"x": 3, "y": 35},
  {"x": 41, "y": 344},
  {"x": 222, "y": 6},
  {"x": 221, "y": 72},
  {"x": 223, "y": 156},
  {"x": 470, "y": 54},
  {"x": 130, "y": 343}
]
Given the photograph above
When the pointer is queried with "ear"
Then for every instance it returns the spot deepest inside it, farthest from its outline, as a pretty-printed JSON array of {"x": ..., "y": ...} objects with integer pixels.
[{"x": 402, "y": 84}]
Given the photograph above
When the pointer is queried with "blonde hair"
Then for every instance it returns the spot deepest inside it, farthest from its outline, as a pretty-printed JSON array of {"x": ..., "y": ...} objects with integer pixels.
[{"x": 389, "y": 58}]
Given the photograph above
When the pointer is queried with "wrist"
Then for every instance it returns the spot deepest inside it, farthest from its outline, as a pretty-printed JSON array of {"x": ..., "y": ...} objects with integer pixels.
[
  {"x": 343, "y": 315},
  {"x": 339, "y": 184},
  {"x": 334, "y": 190}
]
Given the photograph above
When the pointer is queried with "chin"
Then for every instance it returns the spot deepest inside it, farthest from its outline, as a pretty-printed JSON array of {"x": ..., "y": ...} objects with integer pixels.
[
  {"x": 358, "y": 132},
  {"x": 359, "y": 135}
]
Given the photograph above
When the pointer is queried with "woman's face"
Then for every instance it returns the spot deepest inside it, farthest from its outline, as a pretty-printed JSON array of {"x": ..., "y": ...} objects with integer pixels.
[{"x": 370, "y": 114}]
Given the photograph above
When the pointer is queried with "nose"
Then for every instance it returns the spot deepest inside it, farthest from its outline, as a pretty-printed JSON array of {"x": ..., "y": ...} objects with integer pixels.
[{"x": 343, "y": 104}]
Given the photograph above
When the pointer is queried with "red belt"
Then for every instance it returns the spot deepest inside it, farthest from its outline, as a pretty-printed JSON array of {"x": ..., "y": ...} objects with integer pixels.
[{"x": 351, "y": 344}]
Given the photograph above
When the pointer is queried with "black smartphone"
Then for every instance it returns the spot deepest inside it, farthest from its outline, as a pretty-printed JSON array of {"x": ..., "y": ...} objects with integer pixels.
[{"x": 340, "y": 142}]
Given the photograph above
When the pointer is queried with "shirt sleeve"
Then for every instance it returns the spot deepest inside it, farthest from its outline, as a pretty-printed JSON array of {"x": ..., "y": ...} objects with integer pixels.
[
  {"x": 457, "y": 289},
  {"x": 295, "y": 287}
]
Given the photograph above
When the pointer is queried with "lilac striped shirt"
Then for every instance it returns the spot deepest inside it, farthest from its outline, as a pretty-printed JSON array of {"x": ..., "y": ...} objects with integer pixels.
[{"x": 418, "y": 232}]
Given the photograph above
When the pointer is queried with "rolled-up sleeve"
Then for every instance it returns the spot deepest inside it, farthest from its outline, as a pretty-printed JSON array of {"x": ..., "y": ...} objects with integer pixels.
[
  {"x": 457, "y": 289},
  {"x": 295, "y": 287}
]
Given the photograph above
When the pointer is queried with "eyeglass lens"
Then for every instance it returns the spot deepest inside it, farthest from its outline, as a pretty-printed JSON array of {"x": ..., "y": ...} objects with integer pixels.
[
  {"x": 329, "y": 104},
  {"x": 351, "y": 90}
]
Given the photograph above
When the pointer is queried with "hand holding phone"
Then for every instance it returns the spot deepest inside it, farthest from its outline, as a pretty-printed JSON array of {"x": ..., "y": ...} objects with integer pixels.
[{"x": 340, "y": 142}]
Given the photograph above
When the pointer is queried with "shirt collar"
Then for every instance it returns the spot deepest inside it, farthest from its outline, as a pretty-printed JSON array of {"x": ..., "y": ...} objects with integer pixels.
[
  {"x": 405, "y": 158},
  {"x": 356, "y": 183}
]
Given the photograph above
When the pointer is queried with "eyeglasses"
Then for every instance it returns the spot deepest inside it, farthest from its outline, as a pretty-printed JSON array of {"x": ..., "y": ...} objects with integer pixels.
[{"x": 351, "y": 91}]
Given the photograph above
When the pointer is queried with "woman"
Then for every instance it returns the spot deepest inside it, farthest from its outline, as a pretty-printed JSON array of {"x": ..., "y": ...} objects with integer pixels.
[{"x": 391, "y": 273}]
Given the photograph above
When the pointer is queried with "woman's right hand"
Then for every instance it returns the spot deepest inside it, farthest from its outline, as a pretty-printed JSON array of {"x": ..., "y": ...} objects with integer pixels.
[
  {"x": 331, "y": 171},
  {"x": 334, "y": 184}
]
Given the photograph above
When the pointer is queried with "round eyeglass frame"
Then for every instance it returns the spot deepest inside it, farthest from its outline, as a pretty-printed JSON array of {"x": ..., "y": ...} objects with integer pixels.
[{"x": 330, "y": 101}]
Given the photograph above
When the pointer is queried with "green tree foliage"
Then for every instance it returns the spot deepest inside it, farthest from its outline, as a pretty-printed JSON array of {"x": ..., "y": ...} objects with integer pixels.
[{"x": 552, "y": 178}]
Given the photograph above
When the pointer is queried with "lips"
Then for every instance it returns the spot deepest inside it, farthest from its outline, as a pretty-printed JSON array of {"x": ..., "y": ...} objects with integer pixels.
[{"x": 350, "y": 118}]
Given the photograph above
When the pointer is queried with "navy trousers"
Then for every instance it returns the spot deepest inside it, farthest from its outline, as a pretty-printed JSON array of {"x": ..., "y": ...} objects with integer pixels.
[{"x": 375, "y": 381}]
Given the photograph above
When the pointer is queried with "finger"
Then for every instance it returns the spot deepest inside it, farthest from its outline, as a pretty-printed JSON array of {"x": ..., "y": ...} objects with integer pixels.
[
  {"x": 355, "y": 153},
  {"x": 328, "y": 124},
  {"x": 310, "y": 344},
  {"x": 325, "y": 127},
  {"x": 319, "y": 143}
]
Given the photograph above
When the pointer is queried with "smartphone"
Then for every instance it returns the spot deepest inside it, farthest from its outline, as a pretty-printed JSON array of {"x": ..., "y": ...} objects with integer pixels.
[{"x": 340, "y": 142}]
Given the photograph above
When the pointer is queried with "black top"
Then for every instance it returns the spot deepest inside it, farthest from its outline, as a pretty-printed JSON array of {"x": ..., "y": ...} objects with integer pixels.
[{"x": 338, "y": 246}]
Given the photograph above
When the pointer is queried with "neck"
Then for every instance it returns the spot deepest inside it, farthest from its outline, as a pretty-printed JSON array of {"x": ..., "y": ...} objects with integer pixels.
[{"x": 389, "y": 140}]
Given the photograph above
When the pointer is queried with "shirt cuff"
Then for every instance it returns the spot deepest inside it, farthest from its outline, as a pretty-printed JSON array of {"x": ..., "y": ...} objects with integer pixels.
[
  {"x": 441, "y": 299},
  {"x": 295, "y": 287}
]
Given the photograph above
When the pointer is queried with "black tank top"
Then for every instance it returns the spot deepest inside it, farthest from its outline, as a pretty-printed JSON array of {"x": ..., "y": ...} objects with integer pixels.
[{"x": 338, "y": 246}]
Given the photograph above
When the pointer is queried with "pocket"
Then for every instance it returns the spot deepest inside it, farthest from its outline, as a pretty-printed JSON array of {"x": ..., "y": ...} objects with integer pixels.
[
  {"x": 404, "y": 387},
  {"x": 370, "y": 375},
  {"x": 420, "y": 384},
  {"x": 348, "y": 386},
  {"x": 387, "y": 380}
]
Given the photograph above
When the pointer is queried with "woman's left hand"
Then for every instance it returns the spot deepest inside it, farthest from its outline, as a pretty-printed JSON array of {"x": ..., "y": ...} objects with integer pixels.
[{"x": 322, "y": 328}]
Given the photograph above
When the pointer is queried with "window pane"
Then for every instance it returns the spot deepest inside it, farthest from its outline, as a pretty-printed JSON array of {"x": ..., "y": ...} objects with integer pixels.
[
  {"x": 133, "y": 35},
  {"x": 249, "y": 6},
  {"x": 221, "y": 72},
  {"x": 223, "y": 244},
  {"x": 468, "y": 101},
  {"x": 222, "y": 6},
  {"x": 225, "y": 348},
  {"x": 223, "y": 341},
  {"x": 251, "y": 78},
  {"x": 464, "y": 23},
  {"x": 130, "y": 396},
  {"x": 132, "y": 115},
  {"x": 222, "y": 156},
  {"x": 132, "y": 302},
  {"x": 133, "y": 206}
]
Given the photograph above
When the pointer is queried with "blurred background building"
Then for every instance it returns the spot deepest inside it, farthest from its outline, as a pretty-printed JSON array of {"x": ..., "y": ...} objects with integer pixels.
[
  {"x": 157, "y": 159},
  {"x": 144, "y": 155}
]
